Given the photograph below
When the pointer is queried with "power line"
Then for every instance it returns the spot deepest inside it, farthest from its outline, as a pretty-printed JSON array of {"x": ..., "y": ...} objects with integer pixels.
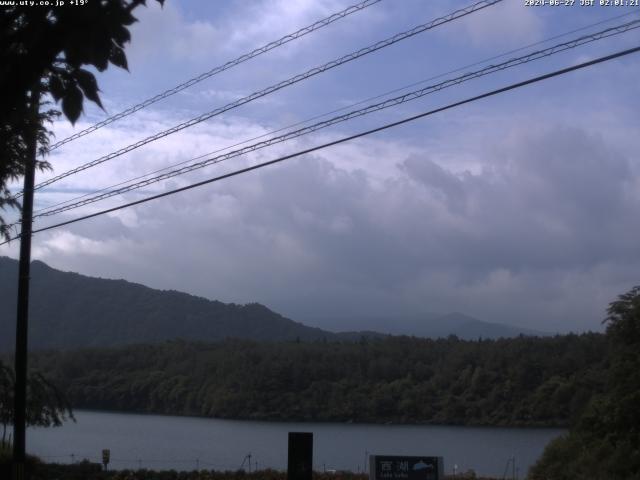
[
  {"x": 410, "y": 96},
  {"x": 303, "y": 76},
  {"x": 285, "y": 83},
  {"x": 491, "y": 93},
  {"x": 315, "y": 117},
  {"x": 219, "y": 69}
]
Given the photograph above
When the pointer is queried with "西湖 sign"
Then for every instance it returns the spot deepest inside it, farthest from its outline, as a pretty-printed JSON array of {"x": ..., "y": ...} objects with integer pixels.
[{"x": 388, "y": 467}]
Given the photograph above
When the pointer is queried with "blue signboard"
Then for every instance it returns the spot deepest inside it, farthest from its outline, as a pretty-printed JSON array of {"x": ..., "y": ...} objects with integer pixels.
[{"x": 387, "y": 467}]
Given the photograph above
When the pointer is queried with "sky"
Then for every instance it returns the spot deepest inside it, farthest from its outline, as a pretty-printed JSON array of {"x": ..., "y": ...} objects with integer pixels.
[{"x": 520, "y": 208}]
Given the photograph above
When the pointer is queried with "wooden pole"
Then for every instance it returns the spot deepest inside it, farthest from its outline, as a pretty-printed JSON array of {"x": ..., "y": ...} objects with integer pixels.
[{"x": 22, "y": 320}]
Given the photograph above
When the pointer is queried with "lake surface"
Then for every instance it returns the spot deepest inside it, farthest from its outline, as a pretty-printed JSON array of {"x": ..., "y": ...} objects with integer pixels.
[{"x": 186, "y": 443}]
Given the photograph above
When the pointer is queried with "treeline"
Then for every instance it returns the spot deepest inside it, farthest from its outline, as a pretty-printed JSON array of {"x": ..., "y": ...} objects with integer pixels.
[{"x": 520, "y": 382}]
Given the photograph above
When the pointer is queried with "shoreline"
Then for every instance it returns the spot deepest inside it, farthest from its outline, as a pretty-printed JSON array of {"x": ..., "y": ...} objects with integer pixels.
[{"x": 326, "y": 422}]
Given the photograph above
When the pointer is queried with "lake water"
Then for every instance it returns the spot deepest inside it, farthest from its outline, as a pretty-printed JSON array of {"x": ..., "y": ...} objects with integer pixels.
[{"x": 186, "y": 443}]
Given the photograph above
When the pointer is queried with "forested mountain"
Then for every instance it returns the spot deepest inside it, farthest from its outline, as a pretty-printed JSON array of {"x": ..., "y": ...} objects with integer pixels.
[
  {"x": 521, "y": 381},
  {"x": 69, "y": 310}
]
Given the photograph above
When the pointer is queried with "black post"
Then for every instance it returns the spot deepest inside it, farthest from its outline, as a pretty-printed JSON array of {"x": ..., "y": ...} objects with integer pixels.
[
  {"x": 300, "y": 461},
  {"x": 22, "y": 321}
]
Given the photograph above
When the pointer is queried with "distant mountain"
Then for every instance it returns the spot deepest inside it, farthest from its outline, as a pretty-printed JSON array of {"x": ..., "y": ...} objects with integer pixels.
[
  {"x": 469, "y": 328},
  {"x": 428, "y": 325},
  {"x": 68, "y": 310}
]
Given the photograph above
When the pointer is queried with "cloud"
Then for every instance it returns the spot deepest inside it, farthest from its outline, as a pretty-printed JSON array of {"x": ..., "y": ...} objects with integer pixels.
[
  {"x": 521, "y": 210},
  {"x": 504, "y": 25},
  {"x": 531, "y": 237},
  {"x": 228, "y": 31},
  {"x": 269, "y": 20}
]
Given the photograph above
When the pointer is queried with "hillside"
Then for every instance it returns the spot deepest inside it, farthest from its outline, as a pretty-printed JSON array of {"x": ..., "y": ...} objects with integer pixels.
[
  {"x": 69, "y": 310},
  {"x": 521, "y": 381}
]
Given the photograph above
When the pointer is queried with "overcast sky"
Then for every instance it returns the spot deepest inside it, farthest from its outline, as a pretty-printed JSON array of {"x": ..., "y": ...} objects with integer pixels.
[{"x": 520, "y": 209}]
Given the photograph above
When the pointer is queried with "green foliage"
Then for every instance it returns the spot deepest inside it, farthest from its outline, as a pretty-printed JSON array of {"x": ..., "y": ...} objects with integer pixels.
[
  {"x": 43, "y": 50},
  {"x": 46, "y": 404},
  {"x": 522, "y": 381},
  {"x": 604, "y": 443},
  {"x": 6, "y": 457},
  {"x": 623, "y": 320},
  {"x": 92, "y": 471}
]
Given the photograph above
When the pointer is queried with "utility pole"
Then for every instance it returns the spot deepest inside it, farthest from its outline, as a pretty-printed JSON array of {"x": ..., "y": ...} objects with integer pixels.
[{"x": 22, "y": 320}]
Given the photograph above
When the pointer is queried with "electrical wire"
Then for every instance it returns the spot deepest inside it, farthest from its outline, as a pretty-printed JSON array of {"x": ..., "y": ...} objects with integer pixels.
[
  {"x": 315, "y": 117},
  {"x": 219, "y": 69},
  {"x": 491, "y": 93},
  {"x": 278, "y": 86},
  {"x": 414, "y": 95}
]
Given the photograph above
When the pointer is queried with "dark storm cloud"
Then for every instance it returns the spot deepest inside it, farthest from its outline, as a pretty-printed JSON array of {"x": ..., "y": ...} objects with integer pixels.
[{"x": 561, "y": 200}]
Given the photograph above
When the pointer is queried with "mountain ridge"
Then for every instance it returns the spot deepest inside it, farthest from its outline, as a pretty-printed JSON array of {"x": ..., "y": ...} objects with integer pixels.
[{"x": 69, "y": 310}]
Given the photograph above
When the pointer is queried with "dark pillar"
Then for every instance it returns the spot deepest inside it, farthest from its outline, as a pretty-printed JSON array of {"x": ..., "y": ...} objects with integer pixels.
[
  {"x": 300, "y": 461},
  {"x": 22, "y": 320}
]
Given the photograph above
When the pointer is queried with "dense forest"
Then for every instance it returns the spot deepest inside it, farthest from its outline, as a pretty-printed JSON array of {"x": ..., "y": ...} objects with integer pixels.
[
  {"x": 521, "y": 381},
  {"x": 604, "y": 442}
]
